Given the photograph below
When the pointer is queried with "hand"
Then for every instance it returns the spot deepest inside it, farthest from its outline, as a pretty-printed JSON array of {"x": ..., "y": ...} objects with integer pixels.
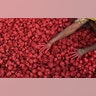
[
  {"x": 45, "y": 47},
  {"x": 77, "y": 53}
]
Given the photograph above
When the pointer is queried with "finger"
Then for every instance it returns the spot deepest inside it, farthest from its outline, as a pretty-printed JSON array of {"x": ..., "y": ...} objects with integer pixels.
[
  {"x": 41, "y": 53},
  {"x": 41, "y": 49},
  {"x": 71, "y": 55},
  {"x": 74, "y": 55},
  {"x": 78, "y": 57},
  {"x": 46, "y": 50},
  {"x": 41, "y": 44}
]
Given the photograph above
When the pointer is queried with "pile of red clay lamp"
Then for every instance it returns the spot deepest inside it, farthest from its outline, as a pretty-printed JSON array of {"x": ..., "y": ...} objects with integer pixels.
[{"x": 20, "y": 57}]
